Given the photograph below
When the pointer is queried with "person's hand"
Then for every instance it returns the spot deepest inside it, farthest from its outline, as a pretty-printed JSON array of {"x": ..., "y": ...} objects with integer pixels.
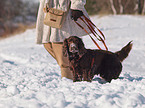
[
  {"x": 76, "y": 14},
  {"x": 45, "y": 9}
]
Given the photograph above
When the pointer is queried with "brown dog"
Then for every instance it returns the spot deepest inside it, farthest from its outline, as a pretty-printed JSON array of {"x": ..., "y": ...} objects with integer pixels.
[{"x": 85, "y": 63}]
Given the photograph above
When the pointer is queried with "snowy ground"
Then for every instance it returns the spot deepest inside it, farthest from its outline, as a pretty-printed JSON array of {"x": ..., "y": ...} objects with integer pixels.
[{"x": 30, "y": 78}]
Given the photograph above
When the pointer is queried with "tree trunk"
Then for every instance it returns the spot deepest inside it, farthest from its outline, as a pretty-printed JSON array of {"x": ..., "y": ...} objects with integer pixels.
[
  {"x": 125, "y": 6},
  {"x": 112, "y": 7},
  {"x": 143, "y": 10},
  {"x": 121, "y": 7},
  {"x": 136, "y": 7},
  {"x": 139, "y": 7}
]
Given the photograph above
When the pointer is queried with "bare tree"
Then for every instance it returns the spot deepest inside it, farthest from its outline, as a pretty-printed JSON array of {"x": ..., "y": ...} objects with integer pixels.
[
  {"x": 139, "y": 7},
  {"x": 112, "y": 7},
  {"x": 143, "y": 10},
  {"x": 121, "y": 6},
  {"x": 127, "y": 3},
  {"x": 136, "y": 7}
]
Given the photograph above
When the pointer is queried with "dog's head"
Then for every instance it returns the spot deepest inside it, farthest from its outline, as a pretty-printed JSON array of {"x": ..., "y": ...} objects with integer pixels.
[{"x": 73, "y": 45}]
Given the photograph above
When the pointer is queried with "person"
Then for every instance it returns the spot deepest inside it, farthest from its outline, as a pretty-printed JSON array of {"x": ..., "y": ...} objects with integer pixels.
[{"x": 52, "y": 38}]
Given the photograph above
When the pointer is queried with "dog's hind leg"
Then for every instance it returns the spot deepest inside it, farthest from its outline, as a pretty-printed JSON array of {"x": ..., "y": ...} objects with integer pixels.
[
  {"x": 91, "y": 73},
  {"x": 85, "y": 74},
  {"x": 74, "y": 77}
]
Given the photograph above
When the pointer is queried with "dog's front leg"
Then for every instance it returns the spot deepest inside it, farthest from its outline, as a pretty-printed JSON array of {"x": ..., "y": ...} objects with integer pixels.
[
  {"x": 74, "y": 74},
  {"x": 85, "y": 75}
]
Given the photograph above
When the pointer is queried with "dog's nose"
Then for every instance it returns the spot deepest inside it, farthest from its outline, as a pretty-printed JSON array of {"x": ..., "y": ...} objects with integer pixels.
[
  {"x": 73, "y": 48},
  {"x": 72, "y": 45}
]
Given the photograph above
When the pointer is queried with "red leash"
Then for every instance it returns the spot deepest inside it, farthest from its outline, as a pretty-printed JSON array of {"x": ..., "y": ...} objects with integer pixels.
[{"x": 92, "y": 27}]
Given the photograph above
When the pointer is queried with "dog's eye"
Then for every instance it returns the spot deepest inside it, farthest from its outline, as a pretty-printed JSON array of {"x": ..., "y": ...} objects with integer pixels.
[
  {"x": 76, "y": 41},
  {"x": 70, "y": 40}
]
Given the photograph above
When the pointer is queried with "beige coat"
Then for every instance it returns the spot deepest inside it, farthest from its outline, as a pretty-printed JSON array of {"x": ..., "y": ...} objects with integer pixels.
[{"x": 47, "y": 34}]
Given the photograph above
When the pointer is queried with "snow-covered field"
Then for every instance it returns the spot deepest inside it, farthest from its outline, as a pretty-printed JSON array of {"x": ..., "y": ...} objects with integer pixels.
[{"x": 30, "y": 77}]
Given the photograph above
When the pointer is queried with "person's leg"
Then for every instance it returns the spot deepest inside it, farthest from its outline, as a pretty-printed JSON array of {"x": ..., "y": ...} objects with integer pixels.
[
  {"x": 55, "y": 49},
  {"x": 48, "y": 47},
  {"x": 62, "y": 61}
]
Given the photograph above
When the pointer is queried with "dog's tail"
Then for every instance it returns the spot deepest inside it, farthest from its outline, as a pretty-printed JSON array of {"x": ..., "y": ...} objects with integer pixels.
[{"x": 123, "y": 53}]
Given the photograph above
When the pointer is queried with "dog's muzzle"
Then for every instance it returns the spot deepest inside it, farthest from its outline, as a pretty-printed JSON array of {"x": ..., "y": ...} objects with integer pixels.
[{"x": 73, "y": 48}]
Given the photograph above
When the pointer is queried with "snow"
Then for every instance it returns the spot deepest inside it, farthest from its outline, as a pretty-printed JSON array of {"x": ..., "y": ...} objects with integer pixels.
[{"x": 30, "y": 77}]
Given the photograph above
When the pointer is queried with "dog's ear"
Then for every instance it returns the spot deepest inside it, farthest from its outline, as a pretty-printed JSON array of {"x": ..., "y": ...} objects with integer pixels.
[
  {"x": 65, "y": 48},
  {"x": 81, "y": 47}
]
